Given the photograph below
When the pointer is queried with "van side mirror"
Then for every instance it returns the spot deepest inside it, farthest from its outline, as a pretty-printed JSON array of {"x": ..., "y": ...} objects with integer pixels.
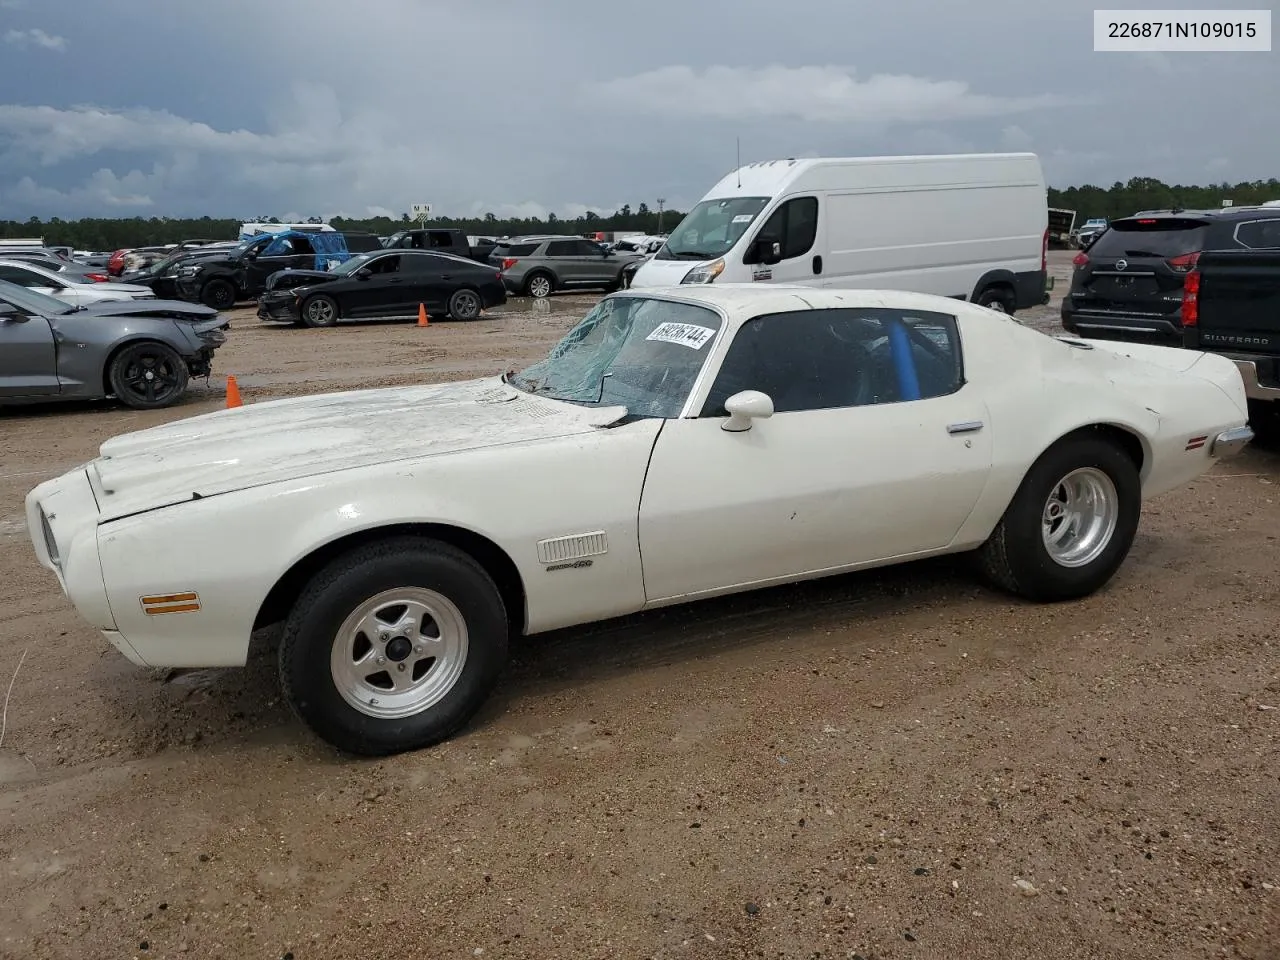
[
  {"x": 764, "y": 249},
  {"x": 9, "y": 312}
]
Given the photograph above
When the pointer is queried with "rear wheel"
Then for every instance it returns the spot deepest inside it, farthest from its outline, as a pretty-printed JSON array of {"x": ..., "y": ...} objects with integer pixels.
[
  {"x": 1000, "y": 299},
  {"x": 539, "y": 285},
  {"x": 147, "y": 375},
  {"x": 219, "y": 294},
  {"x": 393, "y": 646},
  {"x": 1070, "y": 525},
  {"x": 465, "y": 305},
  {"x": 320, "y": 310}
]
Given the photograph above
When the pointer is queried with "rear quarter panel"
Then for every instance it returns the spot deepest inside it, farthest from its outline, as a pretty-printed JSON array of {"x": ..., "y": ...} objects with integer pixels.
[
  {"x": 232, "y": 549},
  {"x": 1039, "y": 389}
]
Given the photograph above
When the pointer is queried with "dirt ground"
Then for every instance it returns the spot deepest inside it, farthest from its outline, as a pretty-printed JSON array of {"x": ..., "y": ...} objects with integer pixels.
[{"x": 893, "y": 765}]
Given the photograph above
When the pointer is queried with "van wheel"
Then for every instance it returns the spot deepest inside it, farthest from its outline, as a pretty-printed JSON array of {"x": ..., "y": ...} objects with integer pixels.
[
  {"x": 1069, "y": 526},
  {"x": 999, "y": 299}
]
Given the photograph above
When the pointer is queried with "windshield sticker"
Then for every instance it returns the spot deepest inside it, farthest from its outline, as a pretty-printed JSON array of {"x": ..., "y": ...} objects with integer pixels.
[
  {"x": 686, "y": 334},
  {"x": 742, "y": 218}
]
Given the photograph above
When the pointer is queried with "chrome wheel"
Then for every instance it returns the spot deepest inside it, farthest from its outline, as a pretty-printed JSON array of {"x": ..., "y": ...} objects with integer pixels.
[
  {"x": 399, "y": 653},
  {"x": 1080, "y": 517},
  {"x": 540, "y": 287},
  {"x": 320, "y": 312}
]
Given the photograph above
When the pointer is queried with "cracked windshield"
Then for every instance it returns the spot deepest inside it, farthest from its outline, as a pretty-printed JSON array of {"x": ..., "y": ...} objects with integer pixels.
[{"x": 639, "y": 353}]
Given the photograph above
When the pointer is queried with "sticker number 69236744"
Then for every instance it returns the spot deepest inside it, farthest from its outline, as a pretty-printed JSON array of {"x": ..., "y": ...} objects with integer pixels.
[{"x": 686, "y": 334}]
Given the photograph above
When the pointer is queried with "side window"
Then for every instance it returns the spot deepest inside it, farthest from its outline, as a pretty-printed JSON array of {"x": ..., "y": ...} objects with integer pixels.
[
  {"x": 301, "y": 245},
  {"x": 562, "y": 248},
  {"x": 420, "y": 264},
  {"x": 1259, "y": 234},
  {"x": 795, "y": 225},
  {"x": 389, "y": 264},
  {"x": 26, "y": 278},
  {"x": 441, "y": 239},
  {"x": 826, "y": 359},
  {"x": 585, "y": 248}
]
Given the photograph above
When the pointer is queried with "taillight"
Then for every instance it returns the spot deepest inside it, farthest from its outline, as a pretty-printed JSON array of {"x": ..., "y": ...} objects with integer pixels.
[
  {"x": 1184, "y": 263},
  {"x": 1191, "y": 299},
  {"x": 1080, "y": 259},
  {"x": 97, "y": 277},
  {"x": 1044, "y": 250},
  {"x": 508, "y": 263}
]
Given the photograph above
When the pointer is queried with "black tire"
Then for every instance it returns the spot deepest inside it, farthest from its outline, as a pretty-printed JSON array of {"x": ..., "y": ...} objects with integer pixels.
[
  {"x": 621, "y": 283},
  {"x": 998, "y": 298},
  {"x": 1015, "y": 557},
  {"x": 465, "y": 304},
  {"x": 320, "y": 310},
  {"x": 315, "y": 626},
  {"x": 534, "y": 282},
  {"x": 147, "y": 375},
  {"x": 219, "y": 294}
]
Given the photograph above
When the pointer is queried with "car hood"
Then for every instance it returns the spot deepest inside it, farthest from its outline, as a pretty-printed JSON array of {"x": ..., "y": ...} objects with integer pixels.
[
  {"x": 302, "y": 437},
  {"x": 289, "y": 279},
  {"x": 173, "y": 309}
]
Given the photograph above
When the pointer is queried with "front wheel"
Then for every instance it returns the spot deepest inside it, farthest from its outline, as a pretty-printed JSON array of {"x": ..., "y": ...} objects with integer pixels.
[
  {"x": 320, "y": 311},
  {"x": 394, "y": 646},
  {"x": 1069, "y": 526},
  {"x": 219, "y": 294},
  {"x": 147, "y": 376}
]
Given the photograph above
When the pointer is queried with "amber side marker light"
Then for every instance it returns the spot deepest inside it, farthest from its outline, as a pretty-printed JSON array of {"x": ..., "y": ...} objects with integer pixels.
[{"x": 171, "y": 603}]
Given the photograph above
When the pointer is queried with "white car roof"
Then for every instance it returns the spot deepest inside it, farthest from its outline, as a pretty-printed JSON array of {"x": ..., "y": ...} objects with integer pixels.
[{"x": 739, "y": 302}]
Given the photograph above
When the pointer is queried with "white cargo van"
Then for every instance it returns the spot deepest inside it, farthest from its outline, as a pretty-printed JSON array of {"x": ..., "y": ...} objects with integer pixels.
[{"x": 969, "y": 226}]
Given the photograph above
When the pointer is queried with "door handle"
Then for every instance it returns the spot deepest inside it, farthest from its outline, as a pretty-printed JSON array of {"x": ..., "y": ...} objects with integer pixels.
[
  {"x": 968, "y": 426},
  {"x": 394, "y": 280},
  {"x": 446, "y": 276},
  {"x": 817, "y": 264}
]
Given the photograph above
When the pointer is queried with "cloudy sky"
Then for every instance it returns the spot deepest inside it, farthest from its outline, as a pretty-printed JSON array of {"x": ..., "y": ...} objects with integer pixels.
[{"x": 299, "y": 107}]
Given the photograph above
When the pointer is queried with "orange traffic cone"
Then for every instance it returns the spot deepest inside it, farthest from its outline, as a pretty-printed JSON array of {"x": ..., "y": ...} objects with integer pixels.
[
  {"x": 422, "y": 315},
  {"x": 233, "y": 394}
]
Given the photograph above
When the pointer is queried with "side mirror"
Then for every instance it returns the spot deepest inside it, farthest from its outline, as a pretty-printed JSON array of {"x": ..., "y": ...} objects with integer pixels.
[
  {"x": 364, "y": 273},
  {"x": 770, "y": 250},
  {"x": 9, "y": 312},
  {"x": 744, "y": 407}
]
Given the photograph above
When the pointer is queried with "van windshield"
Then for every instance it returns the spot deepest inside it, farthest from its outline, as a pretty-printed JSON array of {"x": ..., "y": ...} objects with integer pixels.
[{"x": 711, "y": 228}]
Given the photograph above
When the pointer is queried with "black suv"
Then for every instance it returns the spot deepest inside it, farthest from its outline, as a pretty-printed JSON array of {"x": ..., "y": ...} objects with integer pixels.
[{"x": 1127, "y": 285}]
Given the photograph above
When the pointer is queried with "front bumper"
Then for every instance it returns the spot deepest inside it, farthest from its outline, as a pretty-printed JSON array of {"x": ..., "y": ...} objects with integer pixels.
[
  {"x": 278, "y": 307},
  {"x": 188, "y": 288},
  {"x": 62, "y": 521}
]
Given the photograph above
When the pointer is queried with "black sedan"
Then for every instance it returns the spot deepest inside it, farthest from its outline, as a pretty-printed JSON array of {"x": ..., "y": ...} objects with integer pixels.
[{"x": 384, "y": 286}]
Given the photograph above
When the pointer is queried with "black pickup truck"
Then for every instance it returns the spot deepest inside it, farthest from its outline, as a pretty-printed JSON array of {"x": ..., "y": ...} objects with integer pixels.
[
  {"x": 1231, "y": 306},
  {"x": 439, "y": 240}
]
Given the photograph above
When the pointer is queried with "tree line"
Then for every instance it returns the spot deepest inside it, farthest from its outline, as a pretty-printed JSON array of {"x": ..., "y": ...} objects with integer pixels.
[{"x": 1118, "y": 200}]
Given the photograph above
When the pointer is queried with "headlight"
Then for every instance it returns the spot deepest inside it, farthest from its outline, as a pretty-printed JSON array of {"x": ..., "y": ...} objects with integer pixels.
[
  {"x": 190, "y": 271},
  {"x": 706, "y": 273}
]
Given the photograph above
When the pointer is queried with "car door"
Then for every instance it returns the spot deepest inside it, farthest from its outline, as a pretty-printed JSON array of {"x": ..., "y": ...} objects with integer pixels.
[
  {"x": 28, "y": 354},
  {"x": 594, "y": 265},
  {"x": 429, "y": 279},
  {"x": 564, "y": 258},
  {"x": 797, "y": 227},
  {"x": 380, "y": 294},
  {"x": 877, "y": 449}
]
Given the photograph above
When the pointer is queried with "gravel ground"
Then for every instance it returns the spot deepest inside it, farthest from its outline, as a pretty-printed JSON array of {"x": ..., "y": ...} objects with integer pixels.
[{"x": 896, "y": 764}]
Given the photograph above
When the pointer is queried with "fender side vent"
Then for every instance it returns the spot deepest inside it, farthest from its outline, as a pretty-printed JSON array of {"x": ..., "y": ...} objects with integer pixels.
[{"x": 575, "y": 547}]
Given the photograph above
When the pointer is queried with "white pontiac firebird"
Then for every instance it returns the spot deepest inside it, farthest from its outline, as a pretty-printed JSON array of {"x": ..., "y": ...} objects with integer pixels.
[{"x": 676, "y": 444}]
